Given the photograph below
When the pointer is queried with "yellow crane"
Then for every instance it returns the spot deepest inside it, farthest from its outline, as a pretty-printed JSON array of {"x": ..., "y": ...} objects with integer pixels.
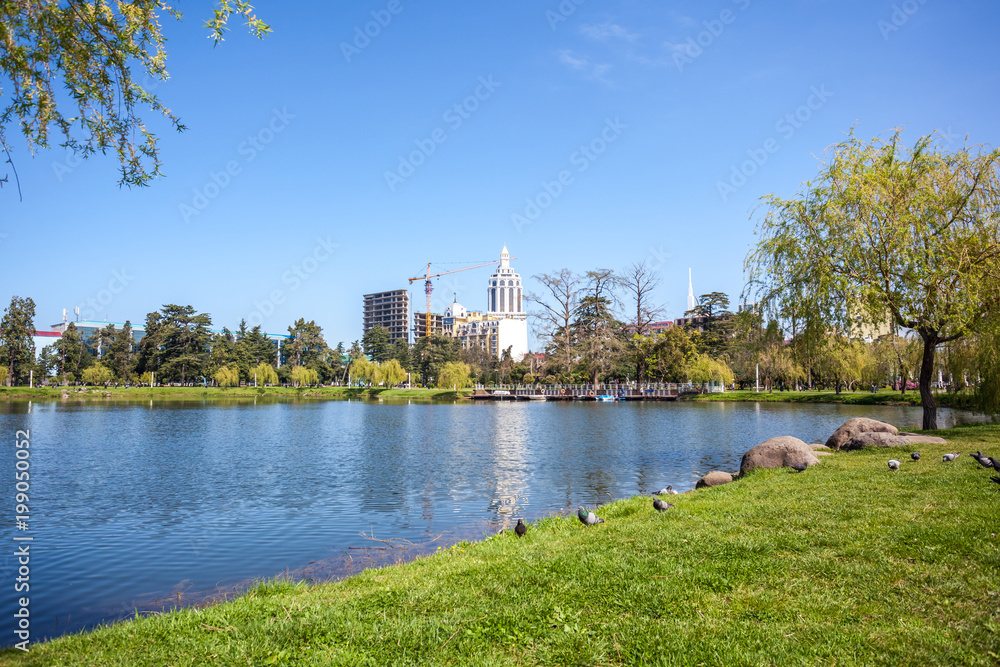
[{"x": 429, "y": 287}]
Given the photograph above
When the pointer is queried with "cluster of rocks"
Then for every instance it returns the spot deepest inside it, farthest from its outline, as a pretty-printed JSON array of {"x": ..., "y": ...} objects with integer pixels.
[{"x": 786, "y": 451}]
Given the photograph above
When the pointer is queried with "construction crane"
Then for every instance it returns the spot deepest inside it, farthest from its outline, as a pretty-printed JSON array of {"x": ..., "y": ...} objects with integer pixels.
[{"x": 429, "y": 287}]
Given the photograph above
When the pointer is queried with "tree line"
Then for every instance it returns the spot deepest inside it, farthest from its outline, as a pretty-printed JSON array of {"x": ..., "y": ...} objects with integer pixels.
[{"x": 177, "y": 346}]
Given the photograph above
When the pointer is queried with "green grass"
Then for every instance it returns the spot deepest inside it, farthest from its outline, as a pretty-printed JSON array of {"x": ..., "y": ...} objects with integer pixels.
[
  {"x": 847, "y": 563},
  {"x": 862, "y": 397},
  {"x": 203, "y": 393}
]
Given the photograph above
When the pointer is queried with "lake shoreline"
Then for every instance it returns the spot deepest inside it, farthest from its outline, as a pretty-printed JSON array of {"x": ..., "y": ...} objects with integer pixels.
[
  {"x": 217, "y": 393},
  {"x": 882, "y": 397},
  {"x": 761, "y": 570}
]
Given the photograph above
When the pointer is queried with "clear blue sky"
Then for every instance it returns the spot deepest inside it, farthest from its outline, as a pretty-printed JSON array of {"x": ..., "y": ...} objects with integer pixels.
[{"x": 664, "y": 122}]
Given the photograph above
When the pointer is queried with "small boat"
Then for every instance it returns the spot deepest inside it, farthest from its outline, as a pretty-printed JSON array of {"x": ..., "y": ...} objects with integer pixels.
[{"x": 605, "y": 398}]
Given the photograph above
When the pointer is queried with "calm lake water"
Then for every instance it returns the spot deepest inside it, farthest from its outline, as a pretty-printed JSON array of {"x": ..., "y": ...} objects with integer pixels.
[{"x": 138, "y": 505}]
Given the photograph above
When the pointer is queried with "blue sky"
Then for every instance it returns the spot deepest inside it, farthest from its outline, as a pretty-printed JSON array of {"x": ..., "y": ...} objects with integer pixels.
[{"x": 320, "y": 165}]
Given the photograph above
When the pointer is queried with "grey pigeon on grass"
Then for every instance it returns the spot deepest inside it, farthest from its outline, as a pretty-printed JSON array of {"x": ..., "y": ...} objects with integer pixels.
[
  {"x": 995, "y": 463},
  {"x": 520, "y": 529},
  {"x": 587, "y": 518},
  {"x": 915, "y": 456},
  {"x": 995, "y": 479},
  {"x": 947, "y": 458},
  {"x": 893, "y": 464},
  {"x": 660, "y": 505},
  {"x": 799, "y": 467},
  {"x": 984, "y": 461}
]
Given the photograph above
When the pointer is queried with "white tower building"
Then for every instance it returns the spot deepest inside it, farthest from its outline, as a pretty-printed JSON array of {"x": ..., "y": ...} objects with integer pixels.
[
  {"x": 505, "y": 304},
  {"x": 504, "y": 292}
]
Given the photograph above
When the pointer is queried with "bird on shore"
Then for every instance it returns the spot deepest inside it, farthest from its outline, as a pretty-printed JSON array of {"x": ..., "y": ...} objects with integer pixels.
[
  {"x": 587, "y": 518},
  {"x": 661, "y": 505},
  {"x": 996, "y": 463},
  {"x": 947, "y": 458},
  {"x": 995, "y": 480},
  {"x": 915, "y": 456},
  {"x": 669, "y": 491},
  {"x": 984, "y": 461},
  {"x": 520, "y": 529},
  {"x": 799, "y": 466},
  {"x": 893, "y": 464}
]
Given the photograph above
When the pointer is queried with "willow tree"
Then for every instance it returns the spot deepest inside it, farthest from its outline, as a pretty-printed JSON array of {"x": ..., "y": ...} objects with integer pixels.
[
  {"x": 80, "y": 68},
  {"x": 886, "y": 234}
]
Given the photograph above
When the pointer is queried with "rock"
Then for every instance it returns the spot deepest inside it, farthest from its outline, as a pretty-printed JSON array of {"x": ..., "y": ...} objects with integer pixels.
[
  {"x": 921, "y": 439},
  {"x": 778, "y": 452},
  {"x": 714, "y": 478},
  {"x": 855, "y": 427},
  {"x": 820, "y": 448},
  {"x": 863, "y": 440},
  {"x": 823, "y": 453}
]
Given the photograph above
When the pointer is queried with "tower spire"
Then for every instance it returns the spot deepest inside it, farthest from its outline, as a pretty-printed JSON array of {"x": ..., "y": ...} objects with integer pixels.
[{"x": 690, "y": 302}]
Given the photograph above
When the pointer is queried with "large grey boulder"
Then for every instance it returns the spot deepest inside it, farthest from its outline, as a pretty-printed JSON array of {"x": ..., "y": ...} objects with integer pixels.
[
  {"x": 863, "y": 440},
  {"x": 714, "y": 478},
  {"x": 783, "y": 451},
  {"x": 855, "y": 427}
]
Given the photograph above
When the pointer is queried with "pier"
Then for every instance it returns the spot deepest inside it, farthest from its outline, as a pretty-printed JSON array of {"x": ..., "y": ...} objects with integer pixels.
[{"x": 588, "y": 392}]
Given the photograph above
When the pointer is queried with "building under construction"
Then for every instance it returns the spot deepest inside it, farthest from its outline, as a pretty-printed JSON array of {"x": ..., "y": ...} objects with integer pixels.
[{"x": 391, "y": 311}]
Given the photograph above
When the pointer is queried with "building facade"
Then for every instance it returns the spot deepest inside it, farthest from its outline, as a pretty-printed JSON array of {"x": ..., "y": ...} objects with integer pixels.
[
  {"x": 391, "y": 311},
  {"x": 504, "y": 324},
  {"x": 420, "y": 324}
]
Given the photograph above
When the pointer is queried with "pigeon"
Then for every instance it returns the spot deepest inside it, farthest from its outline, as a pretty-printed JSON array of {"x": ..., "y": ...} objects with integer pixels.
[
  {"x": 520, "y": 528},
  {"x": 893, "y": 464},
  {"x": 915, "y": 456},
  {"x": 669, "y": 491},
  {"x": 660, "y": 505},
  {"x": 995, "y": 479},
  {"x": 996, "y": 463},
  {"x": 799, "y": 467},
  {"x": 950, "y": 457},
  {"x": 984, "y": 461},
  {"x": 588, "y": 518}
]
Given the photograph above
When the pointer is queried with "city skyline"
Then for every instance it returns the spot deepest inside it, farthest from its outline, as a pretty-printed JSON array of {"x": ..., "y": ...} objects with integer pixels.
[{"x": 613, "y": 134}]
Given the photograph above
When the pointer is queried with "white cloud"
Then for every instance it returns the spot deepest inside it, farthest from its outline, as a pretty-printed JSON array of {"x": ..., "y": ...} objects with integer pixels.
[
  {"x": 582, "y": 64},
  {"x": 603, "y": 32},
  {"x": 567, "y": 57}
]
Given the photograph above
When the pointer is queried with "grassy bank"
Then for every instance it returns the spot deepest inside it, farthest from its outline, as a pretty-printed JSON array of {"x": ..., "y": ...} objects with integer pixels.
[
  {"x": 847, "y": 563},
  {"x": 881, "y": 397},
  {"x": 203, "y": 393}
]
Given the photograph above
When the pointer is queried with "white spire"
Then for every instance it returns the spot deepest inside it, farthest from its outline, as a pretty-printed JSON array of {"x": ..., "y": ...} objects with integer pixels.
[
  {"x": 504, "y": 258},
  {"x": 691, "y": 302}
]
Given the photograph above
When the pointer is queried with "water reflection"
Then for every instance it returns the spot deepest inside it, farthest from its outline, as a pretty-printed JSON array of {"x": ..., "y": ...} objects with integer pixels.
[{"x": 139, "y": 502}]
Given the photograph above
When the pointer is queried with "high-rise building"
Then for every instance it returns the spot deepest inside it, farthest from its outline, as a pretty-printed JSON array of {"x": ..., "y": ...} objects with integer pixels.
[
  {"x": 505, "y": 323},
  {"x": 391, "y": 311}
]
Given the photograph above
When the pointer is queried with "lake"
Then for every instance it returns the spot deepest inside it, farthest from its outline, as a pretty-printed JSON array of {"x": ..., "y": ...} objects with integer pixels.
[{"x": 141, "y": 505}]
